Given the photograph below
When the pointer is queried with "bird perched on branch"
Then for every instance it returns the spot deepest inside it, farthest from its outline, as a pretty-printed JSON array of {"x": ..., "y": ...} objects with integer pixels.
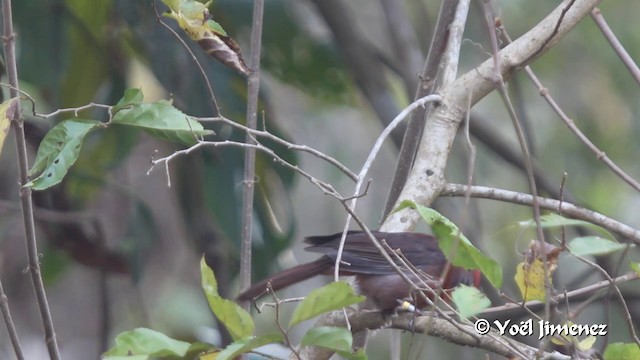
[{"x": 375, "y": 278}]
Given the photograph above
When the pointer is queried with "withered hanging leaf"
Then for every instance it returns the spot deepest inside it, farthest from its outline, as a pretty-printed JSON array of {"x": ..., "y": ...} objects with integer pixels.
[
  {"x": 194, "y": 18},
  {"x": 225, "y": 50}
]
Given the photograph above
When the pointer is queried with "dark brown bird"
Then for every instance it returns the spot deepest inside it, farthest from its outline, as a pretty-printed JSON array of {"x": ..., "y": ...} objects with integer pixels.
[{"x": 375, "y": 277}]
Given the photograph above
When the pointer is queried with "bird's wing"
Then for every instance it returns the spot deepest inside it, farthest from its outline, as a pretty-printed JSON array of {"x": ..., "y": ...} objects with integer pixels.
[{"x": 361, "y": 257}]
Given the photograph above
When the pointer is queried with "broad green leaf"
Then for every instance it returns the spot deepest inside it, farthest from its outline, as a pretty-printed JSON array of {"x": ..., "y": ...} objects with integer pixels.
[
  {"x": 469, "y": 301},
  {"x": 243, "y": 346},
  {"x": 595, "y": 245},
  {"x": 7, "y": 113},
  {"x": 622, "y": 351},
  {"x": 635, "y": 266},
  {"x": 456, "y": 247},
  {"x": 147, "y": 344},
  {"x": 236, "y": 319},
  {"x": 162, "y": 120},
  {"x": 333, "y": 296},
  {"x": 334, "y": 338},
  {"x": 58, "y": 151}
]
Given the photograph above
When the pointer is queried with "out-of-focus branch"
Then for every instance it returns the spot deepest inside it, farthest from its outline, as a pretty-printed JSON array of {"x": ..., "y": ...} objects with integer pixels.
[
  {"x": 362, "y": 61},
  {"x": 427, "y": 85}
]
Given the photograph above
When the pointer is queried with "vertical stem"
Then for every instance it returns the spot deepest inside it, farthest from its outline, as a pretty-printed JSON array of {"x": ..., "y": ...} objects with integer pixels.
[
  {"x": 250, "y": 154},
  {"x": 11, "y": 329},
  {"x": 8, "y": 39}
]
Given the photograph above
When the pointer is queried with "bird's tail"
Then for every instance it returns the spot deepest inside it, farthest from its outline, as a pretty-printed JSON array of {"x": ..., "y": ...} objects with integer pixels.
[{"x": 287, "y": 278}]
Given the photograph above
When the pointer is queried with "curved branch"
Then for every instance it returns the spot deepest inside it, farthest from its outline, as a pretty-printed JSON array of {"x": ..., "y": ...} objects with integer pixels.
[{"x": 563, "y": 207}]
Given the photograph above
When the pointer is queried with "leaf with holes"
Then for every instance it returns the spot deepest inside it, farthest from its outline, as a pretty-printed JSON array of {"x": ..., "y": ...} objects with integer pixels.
[{"x": 58, "y": 151}]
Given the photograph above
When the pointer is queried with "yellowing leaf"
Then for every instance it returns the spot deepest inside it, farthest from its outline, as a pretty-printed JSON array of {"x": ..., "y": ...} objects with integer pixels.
[
  {"x": 7, "y": 114},
  {"x": 209, "y": 356},
  {"x": 587, "y": 343},
  {"x": 194, "y": 18},
  {"x": 530, "y": 280}
]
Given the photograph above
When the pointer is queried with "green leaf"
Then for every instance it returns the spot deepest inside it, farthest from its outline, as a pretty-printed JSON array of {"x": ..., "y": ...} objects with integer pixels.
[
  {"x": 236, "y": 319},
  {"x": 130, "y": 97},
  {"x": 209, "y": 282},
  {"x": 595, "y": 245},
  {"x": 8, "y": 111},
  {"x": 334, "y": 338},
  {"x": 469, "y": 301},
  {"x": 147, "y": 343},
  {"x": 162, "y": 120},
  {"x": 245, "y": 345},
  {"x": 358, "y": 355},
  {"x": 456, "y": 247},
  {"x": 216, "y": 27},
  {"x": 58, "y": 151},
  {"x": 622, "y": 351},
  {"x": 635, "y": 266},
  {"x": 553, "y": 220},
  {"x": 333, "y": 296}
]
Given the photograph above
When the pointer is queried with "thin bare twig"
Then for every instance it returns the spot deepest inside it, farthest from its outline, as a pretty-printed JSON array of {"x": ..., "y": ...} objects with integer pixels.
[
  {"x": 597, "y": 17},
  {"x": 522, "y": 140},
  {"x": 497, "y": 310},
  {"x": 287, "y": 144},
  {"x": 324, "y": 186},
  {"x": 17, "y": 124},
  {"x": 604, "y": 273},
  {"x": 600, "y": 155},
  {"x": 214, "y": 102},
  {"x": 284, "y": 331},
  {"x": 8, "y": 321}
]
